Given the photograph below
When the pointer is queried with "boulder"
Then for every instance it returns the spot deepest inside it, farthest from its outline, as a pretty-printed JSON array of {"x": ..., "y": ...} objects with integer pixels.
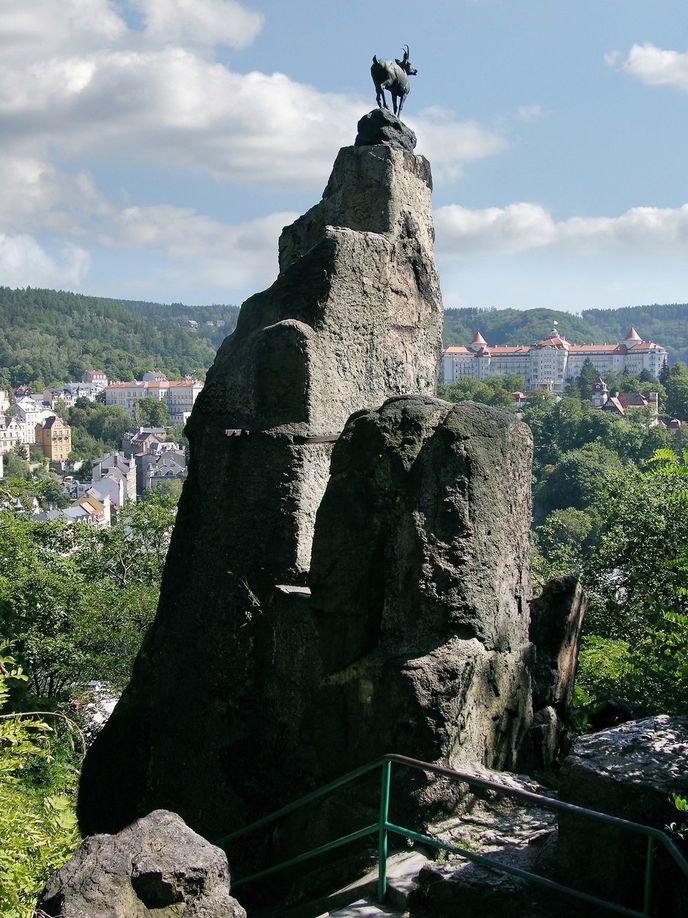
[
  {"x": 381, "y": 126},
  {"x": 156, "y": 866},
  {"x": 630, "y": 771},
  {"x": 420, "y": 589}
]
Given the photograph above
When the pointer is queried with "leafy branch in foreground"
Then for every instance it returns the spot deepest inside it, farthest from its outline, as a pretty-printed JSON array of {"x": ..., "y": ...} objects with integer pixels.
[{"x": 38, "y": 775}]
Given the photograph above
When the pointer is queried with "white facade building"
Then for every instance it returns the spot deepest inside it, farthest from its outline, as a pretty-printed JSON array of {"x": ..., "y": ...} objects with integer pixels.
[
  {"x": 11, "y": 433},
  {"x": 95, "y": 378},
  {"x": 553, "y": 362},
  {"x": 30, "y": 412},
  {"x": 115, "y": 475},
  {"x": 179, "y": 395},
  {"x": 69, "y": 392}
]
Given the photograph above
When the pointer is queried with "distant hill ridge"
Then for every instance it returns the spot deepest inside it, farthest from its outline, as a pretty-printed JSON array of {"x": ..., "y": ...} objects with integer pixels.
[
  {"x": 48, "y": 336},
  {"x": 665, "y": 324}
]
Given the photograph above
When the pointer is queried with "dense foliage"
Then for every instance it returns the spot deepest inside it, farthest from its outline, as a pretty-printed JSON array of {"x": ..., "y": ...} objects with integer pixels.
[
  {"x": 38, "y": 773},
  {"x": 495, "y": 390},
  {"x": 611, "y": 503},
  {"x": 49, "y": 336},
  {"x": 75, "y": 604},
  {"x": 75, "y": 601}
]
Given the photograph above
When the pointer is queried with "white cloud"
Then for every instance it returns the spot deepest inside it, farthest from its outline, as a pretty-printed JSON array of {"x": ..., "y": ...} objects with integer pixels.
[
  {"x": 529, "y": 113},
  {"x": 203, "y": 22},
  {"x": 37, "y": 196},
  {"x": 239, "y": 256},
  {"x": 41, "y": 28},
  {"x": 449, "y": 143},
  {"x": 524, "y": 226},
  {"x": 44, "y": 27},
  {"x": 654, "y": 66},
  {"x": 80, "y": 84},
  {"x": 612, "y": 58},
  {"x": 505, "y": 230},
  {"x": 23, "y": 262},
  {"x": 174, "y": 107}
]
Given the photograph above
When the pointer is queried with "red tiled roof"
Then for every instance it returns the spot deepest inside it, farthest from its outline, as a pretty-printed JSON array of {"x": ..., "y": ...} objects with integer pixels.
[
  {"x": 632, "y": 400},
  {"x": 616, "y": 403},
  {"x": 554, "y": 341}
]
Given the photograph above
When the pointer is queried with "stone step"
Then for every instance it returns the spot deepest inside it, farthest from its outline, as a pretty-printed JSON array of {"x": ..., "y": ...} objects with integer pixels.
[
  {"x": 357, "y": 900},
  {"x": 363, "y": 908}
]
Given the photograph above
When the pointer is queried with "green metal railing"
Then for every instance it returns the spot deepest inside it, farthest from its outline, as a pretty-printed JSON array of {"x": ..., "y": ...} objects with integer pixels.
[{"x": 383, "y": 827}]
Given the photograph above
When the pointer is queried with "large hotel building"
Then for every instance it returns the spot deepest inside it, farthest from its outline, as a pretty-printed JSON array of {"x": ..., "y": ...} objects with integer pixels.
[{"x": 553, "y": 362}]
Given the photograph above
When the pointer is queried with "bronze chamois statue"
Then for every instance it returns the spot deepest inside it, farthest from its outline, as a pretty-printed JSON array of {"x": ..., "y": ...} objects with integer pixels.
[{"x": 392, "y": 75}]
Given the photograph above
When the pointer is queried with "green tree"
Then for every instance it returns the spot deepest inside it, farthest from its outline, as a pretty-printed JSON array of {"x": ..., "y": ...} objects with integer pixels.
[
  {"x": 677, "y": 392},
  {"x": 77, "y": 602},
  {"x": 150, "y": 412},
  {"x": 576, "y": 479},
  {"x": 16, "y": 464},
  {"x": 587, "y": 378},
  {"x": 495, "y": 390},
  {"x": 636, "y": 578},
  {"x": 108, "y": 423}
]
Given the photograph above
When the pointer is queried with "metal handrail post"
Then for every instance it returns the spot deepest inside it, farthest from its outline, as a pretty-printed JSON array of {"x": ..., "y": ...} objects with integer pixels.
[
  {"x": 382, "y": 834},
  {"x": 649, "y": 859}
]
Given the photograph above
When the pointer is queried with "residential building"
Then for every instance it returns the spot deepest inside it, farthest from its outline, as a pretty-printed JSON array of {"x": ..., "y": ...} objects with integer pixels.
[
  {"x": 69, "y": 392},
  {"x": 553, "y": 361},
  {"x": 86, "y": 509},
  {"x": 95, "y": 378},
  {"x": 11, "y": 432},
  {"x": 4, "y": 401},
  {"x": 114, "y": 475},
  {"x": 620, "y": 402},
  {"x": 164, "y": 462},
  {"x": 138, "y": 441},
  {"x": 179, "y": 395},
  {"x": 30, "y": 412},
  {"x": 54, "y": 438}
]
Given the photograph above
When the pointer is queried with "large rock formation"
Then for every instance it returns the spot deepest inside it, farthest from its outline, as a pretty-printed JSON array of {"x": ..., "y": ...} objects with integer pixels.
[
  {"x": 208, "y": 723},
  {"x": 249, "y": 690}
]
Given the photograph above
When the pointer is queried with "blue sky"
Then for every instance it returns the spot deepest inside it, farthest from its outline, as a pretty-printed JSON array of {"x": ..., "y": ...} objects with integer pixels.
[{"x": 153, "y": 149}]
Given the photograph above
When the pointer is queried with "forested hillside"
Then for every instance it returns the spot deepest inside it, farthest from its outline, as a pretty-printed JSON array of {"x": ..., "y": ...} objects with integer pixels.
[
  {"x": 48, "y": 336},
  {"x": 667, "y": 325}
]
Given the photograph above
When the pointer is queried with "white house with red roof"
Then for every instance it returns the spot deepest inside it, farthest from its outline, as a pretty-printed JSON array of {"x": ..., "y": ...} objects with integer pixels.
[{"x": 552, "y": 362}]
